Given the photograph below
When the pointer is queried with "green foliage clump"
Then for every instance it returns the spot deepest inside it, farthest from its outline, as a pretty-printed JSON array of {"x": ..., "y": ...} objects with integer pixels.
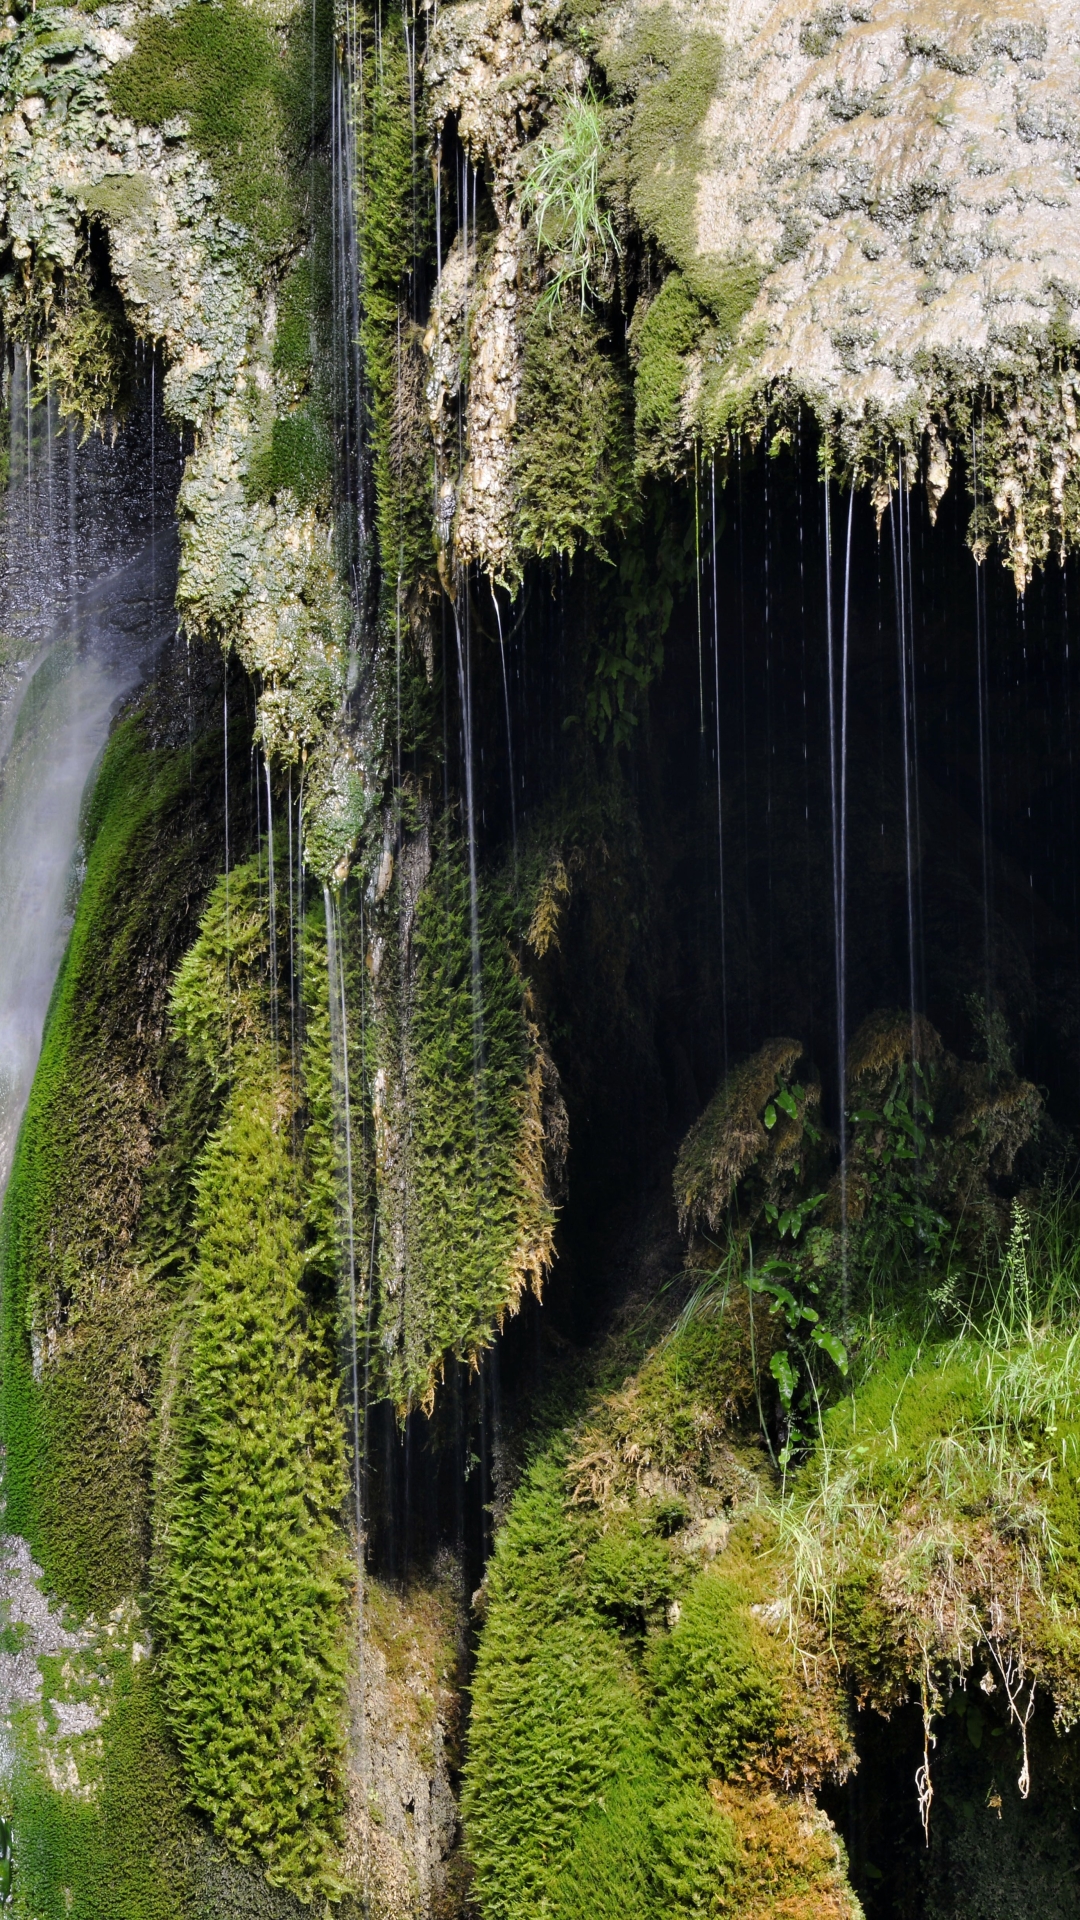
[
  {"x": 222, "y": 66},
  {"x": 654, "y": 1850},
  {"x": 562, "y": 190},
  {"x": 76, "y": 1437},
  {"x": 715, "y": 1681},
  {"x": 251, "y": 1573},
  {"x": 466, "y": 1205},
  {"x": 938, "y": 1511},
  {"x": 573, "y": 440},
  {"x": 295, "y": 455},
  {"x": 555, "y": 1717}
]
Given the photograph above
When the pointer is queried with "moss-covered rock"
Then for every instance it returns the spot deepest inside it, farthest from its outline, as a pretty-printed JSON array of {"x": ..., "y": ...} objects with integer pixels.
[{"x": 637, "y": 1721}]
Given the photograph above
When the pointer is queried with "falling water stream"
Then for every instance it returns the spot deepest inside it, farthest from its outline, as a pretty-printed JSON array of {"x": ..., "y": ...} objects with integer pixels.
[{"x": 85, "y": 608}]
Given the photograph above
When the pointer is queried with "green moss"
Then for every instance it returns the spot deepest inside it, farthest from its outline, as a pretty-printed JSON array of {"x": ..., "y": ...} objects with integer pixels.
[
  {"x": 91, "y": 358},
  {"x": 123, "y": 1848},
  {"x": 573, "y": 471},
  {"x": 716, "y": 1682},
  {"x": 555, "y": 1719},
  {"x": 672, "y": 328},
  {"x": 221, "y": 65},
  {"x": 673, "y": 77},
  {"x": 252, "y": 1578},
  {"x": 118, "y": 197},
  {"x": 295, "y": 321},
  {"x": 958, "y": 1455},
  {"x": 76, "y": 1437},
  {"x": 394, "y": 230},
  {"x": 467, "y": 1219},
  {"x": 296, "y": 454},
  {"x": 619, "y": 1681}
]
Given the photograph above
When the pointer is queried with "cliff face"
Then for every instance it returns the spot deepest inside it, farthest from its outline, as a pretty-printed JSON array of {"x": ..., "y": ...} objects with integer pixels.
[
  {"x": 869, "y": 212},
  {"x": 416, "y": 1504}
]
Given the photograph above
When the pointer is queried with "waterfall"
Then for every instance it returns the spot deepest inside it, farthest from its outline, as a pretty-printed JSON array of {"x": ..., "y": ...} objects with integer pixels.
[{"x": 85, "y": 608}]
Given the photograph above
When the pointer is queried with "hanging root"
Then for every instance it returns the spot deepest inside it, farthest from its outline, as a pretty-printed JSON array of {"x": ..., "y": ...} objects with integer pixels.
[
  {"x": 924, "y": 1785},
  {"x": 1013, "y": 1676}
]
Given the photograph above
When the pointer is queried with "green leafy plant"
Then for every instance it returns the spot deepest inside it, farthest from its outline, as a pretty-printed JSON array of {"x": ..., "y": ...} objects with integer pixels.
[
  {"x": 893, "y": 1157},
  {"x": 787, "y": 1287},
  {"x": 562, "y": 192}
]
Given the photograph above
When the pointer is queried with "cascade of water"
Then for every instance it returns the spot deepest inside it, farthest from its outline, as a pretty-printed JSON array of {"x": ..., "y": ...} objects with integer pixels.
[
  {"x": 719, "y": 771},
  {"x": 912, "y": 678},
  {"x": 83, "y": 617},
  {"x": 982, "y": 722},
  {"x": 271, "y": 898},
  {"x": 465, "y": 694},
  {"x": 901, "y": 584},
  {"x": 841, "y": 919},
  {"x": 838, "y": 727},
  {"x": 697, "y": 583},
  {"x": 509, "y": 730}
]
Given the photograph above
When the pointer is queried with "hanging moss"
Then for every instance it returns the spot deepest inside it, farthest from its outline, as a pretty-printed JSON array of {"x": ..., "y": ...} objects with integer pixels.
[
  {"x": 75, "y": 1436},
  {"x": 252, "y": 1578},
  {"x": 460, "y": 1136},
  {"x": 670, "y": 331},
  {"x": 90, "y": 358},
  {"x": 632, "y": 604},
  {"x": 395, "y": 225},
  {"x": 573, "y": 453}
]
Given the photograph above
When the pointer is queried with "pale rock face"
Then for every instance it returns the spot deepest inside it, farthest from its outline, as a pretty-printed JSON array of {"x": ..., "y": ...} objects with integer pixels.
[
  {"x": 908, "y": 178},
  {"x": 401, "y": 1823},
  {"x": 903, "y": 179}
]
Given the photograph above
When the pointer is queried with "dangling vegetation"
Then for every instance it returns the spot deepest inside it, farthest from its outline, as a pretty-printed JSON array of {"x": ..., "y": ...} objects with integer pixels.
[
  {"x": 574, "y": 230},
  {"x": 251, "y": 1573},
  {"x": 463, "y": 1131}
]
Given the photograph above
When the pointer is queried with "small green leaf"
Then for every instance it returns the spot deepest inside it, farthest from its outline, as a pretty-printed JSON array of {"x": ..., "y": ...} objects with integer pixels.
[
  {"x": 785, "y": 1376},
  {"x": 769, "y": 1116},
  {"x": 834, "y": 1347},
  {"x": 786, "y": 1100}
]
